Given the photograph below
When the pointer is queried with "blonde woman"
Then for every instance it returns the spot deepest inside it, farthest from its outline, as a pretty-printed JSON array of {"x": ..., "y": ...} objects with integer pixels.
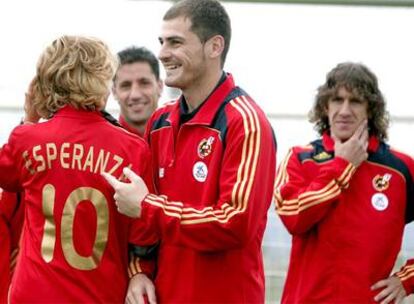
[{"x": 75, "y": 243}]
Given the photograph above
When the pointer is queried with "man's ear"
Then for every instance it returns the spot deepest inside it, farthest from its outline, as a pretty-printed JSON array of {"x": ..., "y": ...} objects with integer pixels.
[{"x": 215, "y": 46}]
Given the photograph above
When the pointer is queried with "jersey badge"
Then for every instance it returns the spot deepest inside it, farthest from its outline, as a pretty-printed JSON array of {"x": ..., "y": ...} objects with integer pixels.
[
  {"x": 200, "y": 171},
  {"x": 379, "y": 201},
  {"x": 381, "y": 183},
  {"x": 205, "y": 147},
  {"x": 322, "y": 156}
]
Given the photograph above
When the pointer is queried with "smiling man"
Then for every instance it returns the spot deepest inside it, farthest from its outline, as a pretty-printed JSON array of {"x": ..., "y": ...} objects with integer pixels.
[
  {"x": 214, "y": 158},
  {"x": 345, "y": 198},
  {"x": 137, "y": 87}
]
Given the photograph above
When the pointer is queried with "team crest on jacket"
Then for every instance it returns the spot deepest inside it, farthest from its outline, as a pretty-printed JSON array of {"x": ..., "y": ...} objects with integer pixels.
[
  {"x": 205, "y": 146},
  {"x": 322, "y": 156},
  {"x": 200, "y": 171},
  {"x": 381, "y": 183}
]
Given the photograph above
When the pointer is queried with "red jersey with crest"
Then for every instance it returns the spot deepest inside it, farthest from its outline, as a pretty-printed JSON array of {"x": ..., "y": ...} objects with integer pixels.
[
  {"x": 74, "y": 243},
  {"x": 214, "y": 174},
  {"x": 11, "y": 222},
  {"x": 347, "y": 223}
]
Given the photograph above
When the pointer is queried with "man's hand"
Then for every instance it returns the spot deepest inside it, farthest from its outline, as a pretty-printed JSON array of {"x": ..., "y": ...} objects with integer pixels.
[
  {"x": 355, "y": 148},
  {"x": 139, "y": 287},
  {"x": 393, "y": 291},
  {"x": 128, "y": 196}
]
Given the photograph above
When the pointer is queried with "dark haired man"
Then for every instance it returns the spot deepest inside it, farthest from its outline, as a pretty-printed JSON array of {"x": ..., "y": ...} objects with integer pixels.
[
  {"x": 346, "y": 197},
  {"x": 137, "y": 87},
  {"x": 214, "y": 160}
]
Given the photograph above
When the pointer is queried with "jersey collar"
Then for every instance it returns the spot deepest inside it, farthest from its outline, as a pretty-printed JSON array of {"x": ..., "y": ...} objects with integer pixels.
[
  {"x": 208, "y": 109},
  {"x": 70, "y": 111}
]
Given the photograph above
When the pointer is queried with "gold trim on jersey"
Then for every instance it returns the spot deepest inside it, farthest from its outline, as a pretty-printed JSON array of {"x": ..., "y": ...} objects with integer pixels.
[
  {"x": 406, "y": 273},
  {"x": 310, "y": 198},
  {"x": 13, "y": 259},
  {"x": 133, "y": 266},
  {"x": 281, "y": 178}
]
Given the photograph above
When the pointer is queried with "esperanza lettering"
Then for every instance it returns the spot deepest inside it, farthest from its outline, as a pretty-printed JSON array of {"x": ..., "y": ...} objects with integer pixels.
[{"x": 72, "y": 156}]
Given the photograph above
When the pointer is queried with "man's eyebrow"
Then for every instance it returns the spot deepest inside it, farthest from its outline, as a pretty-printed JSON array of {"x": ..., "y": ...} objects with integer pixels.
[{"x": 169, "y": 38}]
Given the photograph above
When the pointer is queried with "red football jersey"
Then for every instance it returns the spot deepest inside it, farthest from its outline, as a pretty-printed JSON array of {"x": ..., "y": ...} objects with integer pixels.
[
  {"x": 214, "y": 174},
  {"x": 74, "y": 243},
  {"x": 346, "y": 223}
]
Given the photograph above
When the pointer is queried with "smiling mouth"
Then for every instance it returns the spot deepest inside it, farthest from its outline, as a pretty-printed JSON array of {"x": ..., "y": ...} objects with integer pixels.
[
  {"x": 137, "y": 105},
  {"x": 170, "y": 67}
]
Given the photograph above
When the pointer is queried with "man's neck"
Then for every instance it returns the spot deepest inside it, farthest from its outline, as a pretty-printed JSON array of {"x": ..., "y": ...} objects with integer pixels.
[
  {"x": 137, "y": 128},
  {"x": 198, "y": 93},
  {"x": 140, "y": 128}
]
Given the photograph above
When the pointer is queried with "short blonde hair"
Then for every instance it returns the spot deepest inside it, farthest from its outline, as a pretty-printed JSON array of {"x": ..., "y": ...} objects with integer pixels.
[{"x": 74, "y": 71}]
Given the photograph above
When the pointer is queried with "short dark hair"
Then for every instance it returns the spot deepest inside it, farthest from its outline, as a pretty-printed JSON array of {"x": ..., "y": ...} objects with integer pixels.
[
  {"x": 362, "y": 82},
  {"x": 139, "y": 54},
  {"x": 208, "y": 18}
]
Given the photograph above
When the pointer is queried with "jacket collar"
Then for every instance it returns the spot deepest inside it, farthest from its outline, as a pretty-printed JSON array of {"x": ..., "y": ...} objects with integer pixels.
[
  {"x": 208, "y": 109},
  {"x": 70, "y": 111}
]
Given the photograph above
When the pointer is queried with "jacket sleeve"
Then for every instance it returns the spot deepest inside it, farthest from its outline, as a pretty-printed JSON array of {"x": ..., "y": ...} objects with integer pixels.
[
  {"x": 143, "y": 242},
  {"x": 244, "y": 191},
  {"x": 303, "y": 201},
  {"x": 406, "y": 275}
]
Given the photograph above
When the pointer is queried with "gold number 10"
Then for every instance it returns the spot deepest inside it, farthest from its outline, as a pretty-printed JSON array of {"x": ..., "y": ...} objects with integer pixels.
[{"x": 78, "y": 195}]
